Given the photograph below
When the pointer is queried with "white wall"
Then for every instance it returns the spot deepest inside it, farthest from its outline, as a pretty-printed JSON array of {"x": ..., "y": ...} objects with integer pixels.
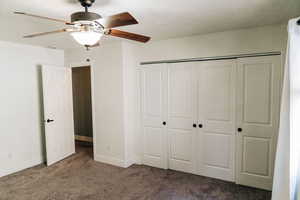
[
  {"x": 262, "y": 39},
  {"x": 107, "y": 65},
  {"x": 131, "y": 104},
  {"x": 281, "y": 186},
  {"x": 291, "y": 113},
  {"x": 21, "y": 133}
]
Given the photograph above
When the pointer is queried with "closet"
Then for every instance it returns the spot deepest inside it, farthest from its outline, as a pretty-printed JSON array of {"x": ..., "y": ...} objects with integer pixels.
[{"x": 213, "y": 118}]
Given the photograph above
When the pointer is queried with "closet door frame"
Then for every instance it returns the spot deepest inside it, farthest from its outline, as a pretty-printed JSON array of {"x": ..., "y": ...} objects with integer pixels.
[{"x": 198, "y": 118}]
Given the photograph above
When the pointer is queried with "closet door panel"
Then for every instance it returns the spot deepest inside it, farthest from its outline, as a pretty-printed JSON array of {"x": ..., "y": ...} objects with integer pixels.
[
  {"x": 181, "y": 150},
  {"x": 218, "y": 158},
  {"x": 181, "y": 117},
  {"x": 216, "y": 102},
  {"x": 258, "y": 115},
  {"x": 153, "y": 114}
]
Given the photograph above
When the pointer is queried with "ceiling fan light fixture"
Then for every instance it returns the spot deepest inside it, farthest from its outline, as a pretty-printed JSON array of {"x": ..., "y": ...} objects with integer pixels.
[
  {"x": 86, "y": 38},
  {"x": 87, "y": 28}
]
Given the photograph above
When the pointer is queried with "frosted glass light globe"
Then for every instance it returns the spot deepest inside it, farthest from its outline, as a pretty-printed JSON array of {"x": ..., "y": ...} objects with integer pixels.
[{"x": 87, "y": 38}]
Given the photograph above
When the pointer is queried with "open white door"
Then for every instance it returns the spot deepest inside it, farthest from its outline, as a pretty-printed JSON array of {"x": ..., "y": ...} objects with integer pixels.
[{"x": 58, "y": 113}]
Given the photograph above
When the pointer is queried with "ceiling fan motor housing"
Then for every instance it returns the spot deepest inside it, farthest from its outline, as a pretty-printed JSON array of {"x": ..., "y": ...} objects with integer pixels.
[
  {"x": 86, "y": 3},
  {"x": 84, "y": 16}
]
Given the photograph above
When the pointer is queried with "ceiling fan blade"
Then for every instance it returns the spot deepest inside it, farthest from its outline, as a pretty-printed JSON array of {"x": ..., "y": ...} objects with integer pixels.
[
  {"x": 42, "y": 17},
  {"x": 47, "y": 33},
  {"x": 129, "y": 36},
  {"x": 122, "y": 19}
]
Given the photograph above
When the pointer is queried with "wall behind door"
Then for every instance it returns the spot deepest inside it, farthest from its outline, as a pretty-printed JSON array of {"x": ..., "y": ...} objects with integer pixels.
[{"x": 20, "y": 109}]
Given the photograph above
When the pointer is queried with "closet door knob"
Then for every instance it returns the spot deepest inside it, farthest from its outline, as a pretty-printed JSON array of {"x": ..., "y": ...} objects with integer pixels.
[
  {"x": 164, "y": 123},
  {"x": 49, "y": 120},
  {"x": 200, "y": 125},
  {"x": 239, "y": 129},
  {"x": 195, "y": 125}
]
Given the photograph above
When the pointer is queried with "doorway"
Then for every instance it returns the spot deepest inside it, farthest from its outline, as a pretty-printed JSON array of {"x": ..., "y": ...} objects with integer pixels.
[{"x": 82, "y": 109}]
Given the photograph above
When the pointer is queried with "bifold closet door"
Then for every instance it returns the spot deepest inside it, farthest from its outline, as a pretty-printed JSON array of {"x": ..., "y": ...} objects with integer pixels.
[
  {"x": 154, "y": 83},
  {"x": 181, "y": 127},
  {"x": 258, "y": 99},
  {"x": 216, "y": 119}
]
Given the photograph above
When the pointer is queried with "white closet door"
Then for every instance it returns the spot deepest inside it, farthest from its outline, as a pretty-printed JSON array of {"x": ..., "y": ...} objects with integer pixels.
[
  {"x": 153, "y": 115},
  {"x": 258, "y": 99},
  {"x": 216, "y": 113},
  {"x": 181, "y": 117}
]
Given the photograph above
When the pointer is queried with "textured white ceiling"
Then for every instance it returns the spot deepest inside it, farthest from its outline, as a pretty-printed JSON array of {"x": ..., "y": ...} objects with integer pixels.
[{"x": 160, "y": 19}]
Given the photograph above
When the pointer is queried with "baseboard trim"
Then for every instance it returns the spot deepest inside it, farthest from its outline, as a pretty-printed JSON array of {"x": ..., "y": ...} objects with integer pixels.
[
  {"x": 111, "y": 160},
  {"x": 134, "y": 159},
  {"x": 129, "y": 162},
  {"x": 24, "y": 166},
  {"x": 83, "y": 138},
  {"x": 138, "y": 160}
]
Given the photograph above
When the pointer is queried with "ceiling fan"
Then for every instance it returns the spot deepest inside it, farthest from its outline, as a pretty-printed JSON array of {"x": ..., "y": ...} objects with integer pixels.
[{"x": 87, "y": 28}]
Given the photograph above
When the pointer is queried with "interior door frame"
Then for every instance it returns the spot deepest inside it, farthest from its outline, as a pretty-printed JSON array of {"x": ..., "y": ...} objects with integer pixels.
[{"x": 90, "y": 65}]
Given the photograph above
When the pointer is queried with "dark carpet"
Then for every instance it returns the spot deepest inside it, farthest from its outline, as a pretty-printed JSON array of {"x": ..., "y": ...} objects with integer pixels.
[{"x": 79, "y": 177}]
